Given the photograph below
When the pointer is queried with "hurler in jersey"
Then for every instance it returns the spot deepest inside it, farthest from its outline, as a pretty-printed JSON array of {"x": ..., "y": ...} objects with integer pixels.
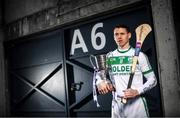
[{"x": 126, "y": 67}]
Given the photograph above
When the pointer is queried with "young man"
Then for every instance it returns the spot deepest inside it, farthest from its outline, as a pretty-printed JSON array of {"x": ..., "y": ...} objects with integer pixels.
[{"x": 119, "y": 62}]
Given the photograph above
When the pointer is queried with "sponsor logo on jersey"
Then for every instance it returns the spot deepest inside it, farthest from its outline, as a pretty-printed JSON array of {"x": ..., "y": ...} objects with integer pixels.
[{"x": 120, "y": 65}]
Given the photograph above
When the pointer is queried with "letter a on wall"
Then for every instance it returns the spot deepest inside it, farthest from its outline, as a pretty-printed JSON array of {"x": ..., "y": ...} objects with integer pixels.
[{"x": 74, "y": 45}]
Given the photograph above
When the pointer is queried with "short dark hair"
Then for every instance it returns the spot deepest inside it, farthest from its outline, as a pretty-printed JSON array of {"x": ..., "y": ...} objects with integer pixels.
[{"x": 123, "y": 26}]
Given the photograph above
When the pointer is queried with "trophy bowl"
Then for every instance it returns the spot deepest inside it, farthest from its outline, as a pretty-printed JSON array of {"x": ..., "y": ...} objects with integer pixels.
[{"x": 100, "y": 64}]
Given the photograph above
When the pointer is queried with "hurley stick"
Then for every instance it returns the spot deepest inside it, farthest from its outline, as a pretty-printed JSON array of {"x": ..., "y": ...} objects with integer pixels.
[{"x": 141, "y": 32}]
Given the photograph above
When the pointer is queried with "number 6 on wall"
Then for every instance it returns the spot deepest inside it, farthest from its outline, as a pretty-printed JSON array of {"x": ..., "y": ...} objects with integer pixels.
[{"x": 94, "y": 37}]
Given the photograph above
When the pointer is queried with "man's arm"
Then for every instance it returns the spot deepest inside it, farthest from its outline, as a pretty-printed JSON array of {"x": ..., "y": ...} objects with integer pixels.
[
  {"x": 148, "y": 74},
  {"x": 149, "y": 84}
]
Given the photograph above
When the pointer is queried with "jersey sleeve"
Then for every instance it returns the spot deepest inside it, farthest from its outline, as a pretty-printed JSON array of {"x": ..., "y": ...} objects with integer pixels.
[
  {"x": 148, "y": 74},
  {"x": 144, "y": 64}
]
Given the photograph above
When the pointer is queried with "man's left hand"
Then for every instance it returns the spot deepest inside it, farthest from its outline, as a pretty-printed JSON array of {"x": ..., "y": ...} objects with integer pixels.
[{"x": 130, "y": 93}]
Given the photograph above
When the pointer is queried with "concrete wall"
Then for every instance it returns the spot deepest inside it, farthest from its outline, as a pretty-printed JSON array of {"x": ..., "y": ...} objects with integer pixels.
[
  {"x": 16, "y": 9},
  {"x": 69, "y": 11},
  {"x": 167, "y": 56}
]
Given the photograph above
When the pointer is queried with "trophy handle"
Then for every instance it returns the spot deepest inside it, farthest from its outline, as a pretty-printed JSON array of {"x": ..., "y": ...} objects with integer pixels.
[{"x": 90, "y": 58}]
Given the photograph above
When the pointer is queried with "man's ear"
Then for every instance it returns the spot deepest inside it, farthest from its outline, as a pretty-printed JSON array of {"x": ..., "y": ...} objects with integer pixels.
[{"x": 129, "y": 35}]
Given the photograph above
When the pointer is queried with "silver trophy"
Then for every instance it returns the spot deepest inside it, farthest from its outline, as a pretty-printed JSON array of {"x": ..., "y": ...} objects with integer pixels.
[
  {"x": 100, "y": 68},
  {"x": 100, "y": 64}
]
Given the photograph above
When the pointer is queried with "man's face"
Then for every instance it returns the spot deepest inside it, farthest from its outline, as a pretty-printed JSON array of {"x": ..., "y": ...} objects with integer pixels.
[{"x": 121, "y": 37}]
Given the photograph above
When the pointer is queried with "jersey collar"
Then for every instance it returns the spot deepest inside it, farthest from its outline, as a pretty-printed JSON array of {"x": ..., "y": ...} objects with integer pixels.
[{"x": 123, "y": 51}]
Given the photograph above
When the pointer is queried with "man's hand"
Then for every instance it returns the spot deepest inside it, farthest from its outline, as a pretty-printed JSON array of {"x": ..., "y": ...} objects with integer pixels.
[
  {"x": 105, "y": 87},
  {"x": 130, "y": 93}
]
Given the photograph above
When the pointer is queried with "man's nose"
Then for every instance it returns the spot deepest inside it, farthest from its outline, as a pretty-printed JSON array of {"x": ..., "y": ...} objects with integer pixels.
[{"x": 119, "y": 37}]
